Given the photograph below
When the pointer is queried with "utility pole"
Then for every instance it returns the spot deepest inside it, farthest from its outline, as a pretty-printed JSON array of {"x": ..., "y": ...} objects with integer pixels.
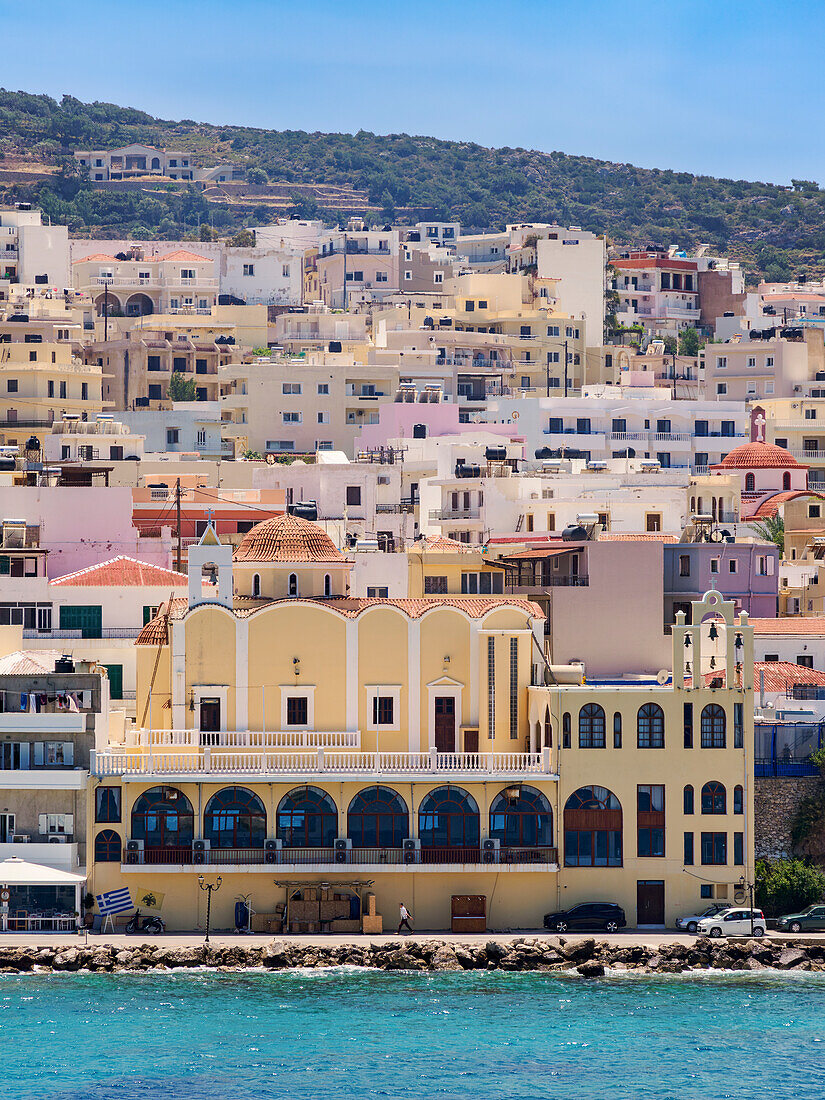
[
  {"x": 177, "y": 521},
  {"x": 345, "y": 271},
  {"x": 565, "y": 368}
]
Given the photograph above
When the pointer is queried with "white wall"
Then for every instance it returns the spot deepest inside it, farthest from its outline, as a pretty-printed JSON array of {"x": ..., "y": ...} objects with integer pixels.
[{"x": 580, "y": 271}]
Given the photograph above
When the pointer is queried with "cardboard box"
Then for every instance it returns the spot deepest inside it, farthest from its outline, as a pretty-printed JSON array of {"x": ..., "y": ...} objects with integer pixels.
[
  {"x": 345, "y": 926},
  {"x": 372, "y": 925}
]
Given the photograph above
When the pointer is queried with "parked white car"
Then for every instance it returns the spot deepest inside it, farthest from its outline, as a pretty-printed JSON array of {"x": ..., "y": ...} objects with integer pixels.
[
  {"x": 691, "y": 923},
  {"x": 733, "y": 922}
]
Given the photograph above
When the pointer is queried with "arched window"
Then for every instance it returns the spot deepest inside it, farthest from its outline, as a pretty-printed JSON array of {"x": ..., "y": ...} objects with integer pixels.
[
  {"x": 592, "y": 828},
  {"x": 307, "y": 818},
  {"x": 548, "y": 729},
  {"x": 750, "y": 483},
  {"x": 235, "y": 818},
  {"x": 327, "y": 584},
  {"x": 448, "y": 826},
  {"x": 521, "y": 817},
  {"x": 714, "y": 725},
  {"x": 650, "y": 727},
  {"x": 617, "y": 729},
  {"x": 591, "y": 726},
  {"x": 377, "y": 818},
  {"x": 155, "y": 162},
  {"x": 565, "y": 730},
  {"x": 738, "y": 800},
  {"x": 687, "y": 796},
  {"x": 293, "y": 584},
  {"x": 256, "y": 584},
  {"x": 107, "y": 847},
  {"x": 714, "y": 798},
  {"x": 162, "y": 818},
  {"x": 786, "y": 481}
]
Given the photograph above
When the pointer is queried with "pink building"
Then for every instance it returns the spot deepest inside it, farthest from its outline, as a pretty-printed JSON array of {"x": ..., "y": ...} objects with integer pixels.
[
  {"x": 412, "y": 420},
  {"x": 764, "y": 471}
]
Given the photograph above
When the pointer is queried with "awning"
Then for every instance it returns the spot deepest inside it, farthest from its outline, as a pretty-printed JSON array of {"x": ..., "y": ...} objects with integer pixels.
[{"x": 19, "y": 872}]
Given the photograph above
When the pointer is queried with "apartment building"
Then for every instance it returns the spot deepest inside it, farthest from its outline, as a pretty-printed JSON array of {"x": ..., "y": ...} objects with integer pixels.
[
  {"x": 43, "y": 382},
  {"x": 76, "y": 440},
  {"x": 745, "y": 572},
  {"x": 638, "y": 422},
  {"x": 32, "y": 254},
  {"x": 798, "y": 425},
  {"x": 286, "y": 405},
  {"x": 191, "y": 428},
  {"x": 357, "y": 265},
  {"x": 137, "y": 284},
  {"x": 139, "y": 359},
  {"x": 316, "y": 327},
  {"x": 460, "y": 686},
  {"x": 771, "y": 363},
  {"x": 657, "y": 290}
]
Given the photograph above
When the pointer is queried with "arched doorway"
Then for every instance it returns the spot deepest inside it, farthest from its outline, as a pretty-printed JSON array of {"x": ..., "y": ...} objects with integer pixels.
[
  {"x": 521, "y": 819},
  {"x": 108, "y": 305},
  {"x": 139, "y": 305},
  {"x": 592, "y": 828},
  {"x": 377, "y": 818}
]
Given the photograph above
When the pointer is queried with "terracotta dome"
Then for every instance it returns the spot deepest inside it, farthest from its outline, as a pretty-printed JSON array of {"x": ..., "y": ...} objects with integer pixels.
[
  {"x": 287, "y": 539},
  {"x": 759, "y": 456}
]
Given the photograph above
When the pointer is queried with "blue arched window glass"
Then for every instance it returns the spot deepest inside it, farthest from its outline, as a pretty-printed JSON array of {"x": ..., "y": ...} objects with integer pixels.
[
  {"x": 378, "y": 818},
  {"x": 235, "y": 818},
  {"x": 448, "y": 819},
  {"x": 592, "y": 828},
  {"x": 307, "y": 818},
  {"x": 162, "y": 818},
  {"x": 521, "y": 817}
]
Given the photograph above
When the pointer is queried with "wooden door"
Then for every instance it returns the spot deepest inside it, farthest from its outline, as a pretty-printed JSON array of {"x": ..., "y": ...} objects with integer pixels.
[
  {"x": 471, "y": 740},
  {"x": 650, "y": 902},
  {"x": 210, "y": 720},
  {"x": 444, "y": 723}
]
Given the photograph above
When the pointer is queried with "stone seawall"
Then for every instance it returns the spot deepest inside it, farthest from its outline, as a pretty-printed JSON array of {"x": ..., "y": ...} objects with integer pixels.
[
  {"x": 588, "y": 957},
  {"x": 776, "y": 801}
]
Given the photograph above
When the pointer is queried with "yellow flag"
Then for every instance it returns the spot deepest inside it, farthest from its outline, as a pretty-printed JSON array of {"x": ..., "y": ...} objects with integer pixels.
[{"x": 148, "y": 899}]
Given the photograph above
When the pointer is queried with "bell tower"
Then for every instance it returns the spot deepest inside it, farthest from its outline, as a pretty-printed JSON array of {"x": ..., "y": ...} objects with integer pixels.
[{"x": 210, "y": 570}]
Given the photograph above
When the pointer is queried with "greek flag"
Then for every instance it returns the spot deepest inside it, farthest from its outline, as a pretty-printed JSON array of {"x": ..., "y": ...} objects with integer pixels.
[{"x": 114, "y": 901}]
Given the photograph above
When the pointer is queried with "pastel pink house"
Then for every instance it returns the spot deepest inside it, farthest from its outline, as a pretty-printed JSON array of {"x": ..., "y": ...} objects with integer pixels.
[{"x": 765, "y": 471}]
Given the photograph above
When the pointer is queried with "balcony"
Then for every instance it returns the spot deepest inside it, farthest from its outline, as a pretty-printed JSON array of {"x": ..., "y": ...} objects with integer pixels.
[
  {"x": 60, "y": 853},
  {"x": 628, "y": 437},
  {"x": 579, "y": 580},
  {"x": 245, "y": 739},
  {"x": 672, "y": 437},
  {"x": 42, "y": 721},
  {"x": 391, "y": 859},
  {"x": 455, "y": 514},
  {"x": 108, "y": 632},
  {"x": 816, "y": 456},
  {"x": 204, "y": 762}
]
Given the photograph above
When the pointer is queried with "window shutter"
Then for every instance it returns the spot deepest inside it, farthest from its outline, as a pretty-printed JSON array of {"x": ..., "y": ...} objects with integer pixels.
[
  {"x": 38, "y": 754},
  {"x": 375, "y": 710},
  {"x": 42, "y": 824},
  {"x": 68, "y": 752},
  {"x": 68, "y": 823},
  {"x": 24, "y": 755}
]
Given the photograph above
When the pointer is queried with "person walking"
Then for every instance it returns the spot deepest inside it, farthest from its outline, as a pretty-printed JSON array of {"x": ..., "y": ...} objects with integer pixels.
[{"x": 405, "y": 918}]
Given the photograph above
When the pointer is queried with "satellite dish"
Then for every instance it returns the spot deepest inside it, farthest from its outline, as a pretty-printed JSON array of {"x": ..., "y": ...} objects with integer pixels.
[
  {"x": 716, "y": 536},
  {"x": 662, "y": 676}
]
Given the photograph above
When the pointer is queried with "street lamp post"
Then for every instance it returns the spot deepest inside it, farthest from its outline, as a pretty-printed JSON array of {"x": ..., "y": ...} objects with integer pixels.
[
  {"x": 208, "y": 887},
  {"x": 744, "y": 885}
]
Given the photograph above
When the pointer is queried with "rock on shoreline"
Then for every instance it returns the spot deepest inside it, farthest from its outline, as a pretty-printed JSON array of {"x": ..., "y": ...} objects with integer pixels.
[{"x": 589, "y": 958}]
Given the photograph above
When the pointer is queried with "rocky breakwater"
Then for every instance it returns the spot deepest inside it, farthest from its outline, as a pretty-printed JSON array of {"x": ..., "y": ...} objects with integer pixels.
[{"x": 588, "y": 957}]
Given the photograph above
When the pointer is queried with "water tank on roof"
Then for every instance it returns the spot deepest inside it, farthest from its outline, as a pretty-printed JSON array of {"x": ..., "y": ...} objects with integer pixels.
[
  {"x": 574, "y": 533},
  {"x": 304, "y": 509},
  {"x": 495, "y": 454},
  {"x": 419, "y": 431},
  {"x": 464, "y": 469},
  {"x": 64, "y": 664},
  {"x": 7, "y": 464}
]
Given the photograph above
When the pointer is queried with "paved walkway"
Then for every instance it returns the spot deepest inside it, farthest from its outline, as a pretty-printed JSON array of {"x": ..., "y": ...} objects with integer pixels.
[{"x": 223, "y": 939}]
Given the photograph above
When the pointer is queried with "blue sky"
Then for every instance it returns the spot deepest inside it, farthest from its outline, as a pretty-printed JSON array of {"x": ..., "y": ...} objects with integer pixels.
[{"x": 724, "y": 87}]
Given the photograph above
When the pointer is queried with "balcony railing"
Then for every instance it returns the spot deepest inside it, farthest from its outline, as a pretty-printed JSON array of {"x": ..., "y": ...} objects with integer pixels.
[
  {"x": 454, "y": 513},
  {"x": 245, "y": 739},
  {"x": 581, "y": 580},
  {"x": 71, "y": 635},
  {"x": 206, "y": 761},
  {"x": 539, "y": 856}
]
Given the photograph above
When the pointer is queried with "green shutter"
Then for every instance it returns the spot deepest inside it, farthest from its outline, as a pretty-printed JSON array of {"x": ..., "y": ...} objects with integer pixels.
[
  {"x": 5, "y": 565},
  {"x": 115, "y": 681},
  {"x": 87, "y": 618}
]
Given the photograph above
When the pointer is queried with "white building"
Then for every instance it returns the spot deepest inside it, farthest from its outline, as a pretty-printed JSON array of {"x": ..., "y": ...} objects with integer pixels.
[
  {"x": 634, "y": 421},
  {"x": 189, "y": 427},
  {"x": 30, "y": 252},
  {"x": 103, "y": 439}
]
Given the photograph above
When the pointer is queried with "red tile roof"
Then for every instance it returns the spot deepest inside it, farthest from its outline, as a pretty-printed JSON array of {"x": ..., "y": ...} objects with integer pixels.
[
  {"x": 758, "y": 456},
  {"x": 791, "y": 626},
  {"x": 770, "y": 506},
  {"x": 156, "y": 631},
  {"x": 780, "y": 675},
  {"x": 287, "y": 538},
  {"x": 123, "y": 571},
  {"x": 182, "y": 254},
  {"x": 96, "y": 257},
  {"x": 440, "y": 543}
]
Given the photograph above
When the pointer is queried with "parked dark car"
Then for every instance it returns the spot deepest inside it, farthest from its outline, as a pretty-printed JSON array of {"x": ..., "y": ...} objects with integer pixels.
[
  {"x": 811, "y": 919},
  {"x": 593, "y": 915}
]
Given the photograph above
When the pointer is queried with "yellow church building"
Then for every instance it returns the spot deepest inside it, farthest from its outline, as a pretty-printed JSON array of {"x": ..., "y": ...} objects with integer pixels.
[{"x": 330, "y": 757}]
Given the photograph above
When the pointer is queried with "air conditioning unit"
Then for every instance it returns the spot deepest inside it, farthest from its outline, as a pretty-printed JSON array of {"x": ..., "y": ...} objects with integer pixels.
[
  {"x": 343, "y": 848},
  {"x": 20, "y": 838},
  {"x": 490, "y": 850},
  {"x": 199, "y": 850},
  {"x": 271, "y": 850},
  {"x": 412, "y": 851},
  {"x": 134, "y": 851},
  {"x": 55, "y": 838}
]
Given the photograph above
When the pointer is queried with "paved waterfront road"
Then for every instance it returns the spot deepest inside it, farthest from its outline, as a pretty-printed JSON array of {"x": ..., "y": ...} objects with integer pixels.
[{"x": 179, "y": 939}]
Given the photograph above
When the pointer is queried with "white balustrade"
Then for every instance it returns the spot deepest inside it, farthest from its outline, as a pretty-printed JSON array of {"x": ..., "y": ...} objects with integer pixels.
[{"x": 214, "y": 760}]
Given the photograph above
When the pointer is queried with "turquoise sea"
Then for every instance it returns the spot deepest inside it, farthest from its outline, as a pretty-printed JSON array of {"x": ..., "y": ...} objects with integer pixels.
[{"x": 331, "y": 1034}]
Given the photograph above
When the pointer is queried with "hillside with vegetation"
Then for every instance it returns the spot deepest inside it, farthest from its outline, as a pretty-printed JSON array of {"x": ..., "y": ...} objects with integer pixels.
[{"x": 777, "y": 231}]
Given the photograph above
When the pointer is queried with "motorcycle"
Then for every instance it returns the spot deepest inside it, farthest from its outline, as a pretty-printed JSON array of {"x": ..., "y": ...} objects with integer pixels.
[{"x": 155, "y": 925}]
